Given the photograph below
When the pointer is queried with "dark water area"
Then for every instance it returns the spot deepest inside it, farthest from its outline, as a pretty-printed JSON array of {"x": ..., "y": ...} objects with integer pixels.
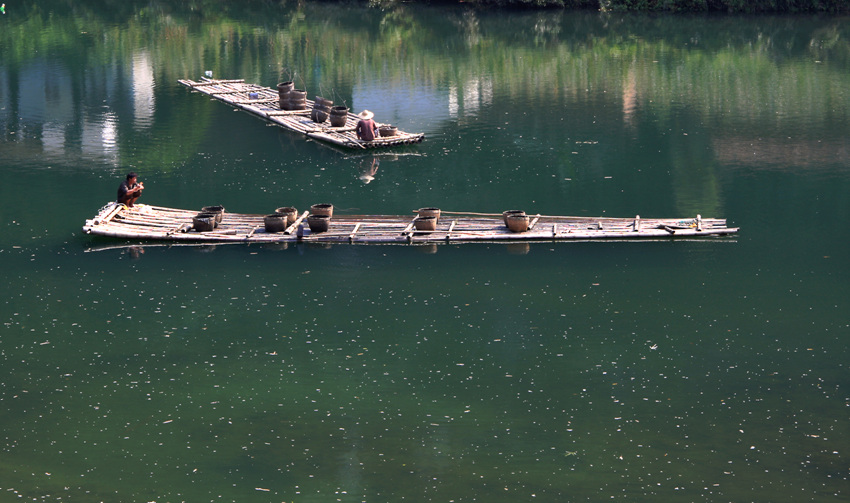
[{"x": 705, "y": 370}]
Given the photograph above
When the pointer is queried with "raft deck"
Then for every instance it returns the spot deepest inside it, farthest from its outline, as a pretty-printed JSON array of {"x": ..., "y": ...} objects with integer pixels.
[
  {"x": 144, "y": 222},
  {"x": 264, "y": 103}
]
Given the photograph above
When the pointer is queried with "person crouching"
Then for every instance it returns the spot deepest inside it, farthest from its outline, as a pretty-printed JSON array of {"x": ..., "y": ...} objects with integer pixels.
[
  {"x": 130, "y": 190},
  {"x": 367, "y": 129}
]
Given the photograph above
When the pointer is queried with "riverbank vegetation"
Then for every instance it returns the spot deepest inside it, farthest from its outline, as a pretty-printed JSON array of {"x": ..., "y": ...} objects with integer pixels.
[
  {"x": 682, "y": 6},
  {"x": 634, "y": 70}
]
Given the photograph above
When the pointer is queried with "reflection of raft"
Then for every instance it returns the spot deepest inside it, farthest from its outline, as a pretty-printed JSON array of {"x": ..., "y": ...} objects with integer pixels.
[
  {"x": 265, "y": 103},
  {"x": 144, "y": 222}
]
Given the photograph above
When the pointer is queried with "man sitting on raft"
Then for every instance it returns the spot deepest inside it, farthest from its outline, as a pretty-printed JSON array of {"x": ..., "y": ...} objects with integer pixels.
[
  {"x": 367, "y": 129},
  {"x": 129, "y": 190}
]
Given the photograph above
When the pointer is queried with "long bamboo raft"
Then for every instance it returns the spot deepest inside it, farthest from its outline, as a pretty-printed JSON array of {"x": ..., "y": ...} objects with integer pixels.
[
  {"x": 145, "y": 222},
  {"x": 264, "y": 103}
]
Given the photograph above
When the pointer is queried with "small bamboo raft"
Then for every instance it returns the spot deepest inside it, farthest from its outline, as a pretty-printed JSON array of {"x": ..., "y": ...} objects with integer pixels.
[
  {"x": 264, "y": 103},
  {"x": 145, "y": 222}
]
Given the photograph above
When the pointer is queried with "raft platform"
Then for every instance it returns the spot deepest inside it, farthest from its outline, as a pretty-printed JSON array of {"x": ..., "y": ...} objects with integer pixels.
[
  {"x": 264, "y": 102},
  {"x": 156, "y": 223}
]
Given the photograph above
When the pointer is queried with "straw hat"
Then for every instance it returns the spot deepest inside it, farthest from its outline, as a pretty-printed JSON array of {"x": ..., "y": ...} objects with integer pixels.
[{"x": 365, "y": 115}]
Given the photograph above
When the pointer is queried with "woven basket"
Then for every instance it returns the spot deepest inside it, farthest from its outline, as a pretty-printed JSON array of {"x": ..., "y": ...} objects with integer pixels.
[
  {"x": 290, "y": 213},
  {"x": 276, "y": 222},
  {"x": 517, "y": 223},
  {"x": 511, "y": 212},
  {"x": 319, "y": 223},
  {"x": 430, "y": 212},
  {"x": 322, "y": 209},
  {"x": 425, "y": 223},
  {"x": 203, "y": 222},
  {"x": 217, "y": 210}
]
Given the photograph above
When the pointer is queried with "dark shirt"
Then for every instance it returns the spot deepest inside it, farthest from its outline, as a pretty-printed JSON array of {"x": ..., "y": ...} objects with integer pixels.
[
  {"x": 366, "y": 129},
  {"x": 123, "y": 189}
]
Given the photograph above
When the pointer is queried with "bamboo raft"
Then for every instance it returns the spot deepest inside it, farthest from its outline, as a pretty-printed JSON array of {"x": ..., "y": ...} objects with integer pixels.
[
  {"x": 145, "y": 222},
  {"x": 264, "y": 103}
]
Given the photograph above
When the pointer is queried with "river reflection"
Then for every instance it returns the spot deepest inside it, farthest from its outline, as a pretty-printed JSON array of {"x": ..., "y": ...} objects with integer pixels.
[
  {"x": 642, "y": 371},
  {"x": 368, "y": 169}
]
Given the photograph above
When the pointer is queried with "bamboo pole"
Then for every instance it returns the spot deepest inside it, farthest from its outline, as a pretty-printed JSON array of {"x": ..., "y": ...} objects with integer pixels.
[
  {"x": 449, "y": 232},
  {"x": 559, "y": 217},
  {"x": 406, "y": 231},
  {"x": 110, "y": 215},
  {"x": 294, "y": 225},
  {"x": 181, "y": 228},
  {"x": 354, "y": 231},
  {"x": 208, "y": 81}
]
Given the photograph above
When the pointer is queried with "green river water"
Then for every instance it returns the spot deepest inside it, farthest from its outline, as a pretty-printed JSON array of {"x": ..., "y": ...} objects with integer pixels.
[{"x": 705, "y": 370}]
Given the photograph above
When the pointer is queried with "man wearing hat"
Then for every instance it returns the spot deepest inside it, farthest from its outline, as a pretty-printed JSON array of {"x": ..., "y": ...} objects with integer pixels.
[
  {"x": 129, "y": 190},
  {"x": 366, "y": 129}
]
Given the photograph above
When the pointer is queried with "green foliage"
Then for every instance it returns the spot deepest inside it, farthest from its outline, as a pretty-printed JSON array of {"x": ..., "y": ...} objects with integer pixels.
[
  {"x": 524, "y": 4},
  {"x": 732, "y": 6}
]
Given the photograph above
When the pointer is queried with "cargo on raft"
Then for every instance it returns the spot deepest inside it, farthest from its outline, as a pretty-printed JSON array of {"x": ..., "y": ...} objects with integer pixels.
[
  {"x": 427, "y": 225},
  {"x": 290, "y": 109}
]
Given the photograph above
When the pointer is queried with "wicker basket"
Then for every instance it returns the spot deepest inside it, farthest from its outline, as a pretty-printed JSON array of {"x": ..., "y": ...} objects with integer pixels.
[
  {"x": 518, "y": 223},
  {"x": 290, "y": 213},
  {"x": 276, "y": 222},
  {"x": 430, "y": 212},
  {"x": 319, "y": 223},
  {"x": 338, "y": 116},
  {"x": 511, "y": 212},
  {"x": 322, "y": 209},
  {"x": 203, "y": 222},
  {"x": 425, "y": 223},
  {"x": 217, "y": 210}
]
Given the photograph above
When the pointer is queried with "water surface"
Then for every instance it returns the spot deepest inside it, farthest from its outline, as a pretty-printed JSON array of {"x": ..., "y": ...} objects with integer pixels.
[{"x": 692, "y": 370}]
